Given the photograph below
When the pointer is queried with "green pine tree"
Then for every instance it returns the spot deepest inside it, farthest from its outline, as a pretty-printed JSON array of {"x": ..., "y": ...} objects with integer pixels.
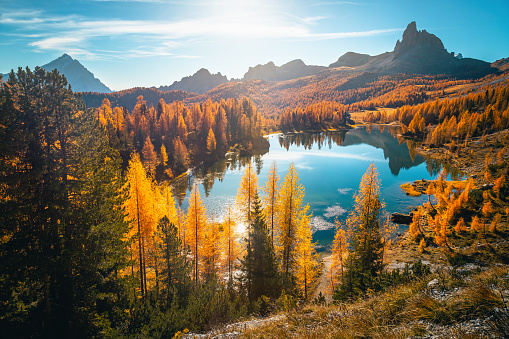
[
  {"x": 176, "y": 268},
  {"x": 259, "y": 264},
  {"x": 61, "y": 223}
]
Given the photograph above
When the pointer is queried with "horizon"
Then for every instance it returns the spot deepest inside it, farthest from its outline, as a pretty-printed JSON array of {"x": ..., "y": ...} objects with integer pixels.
[{"x": 146, "y": 43}]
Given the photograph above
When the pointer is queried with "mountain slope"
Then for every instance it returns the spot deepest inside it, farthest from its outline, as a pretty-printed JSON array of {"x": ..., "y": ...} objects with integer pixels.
[
  {"x": 502, "y": 64},
  {"x": 291, "y": 70},
  {"x": 80, "y": 78},
  {"x": 200, "y": 82},
  {"x": 351, "y": 59},
  {"x": 420, "y": 52}
]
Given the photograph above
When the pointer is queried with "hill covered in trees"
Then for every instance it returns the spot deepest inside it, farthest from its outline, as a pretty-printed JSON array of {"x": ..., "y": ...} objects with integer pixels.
[{"x": 418, "y": 69}]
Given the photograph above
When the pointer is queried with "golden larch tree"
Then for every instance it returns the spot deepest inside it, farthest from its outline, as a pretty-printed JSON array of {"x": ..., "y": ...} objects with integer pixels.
[
  {"x": 139, "y": 209},
  {"x": 163, "y": 158},
  {"x": 339, "y": 251},
  {"x": 366, "y": 258},
  {"x": 167, "y": 205},
  {"x": 229, "y": 243},
  {"x": 270, "y": 199},
  {"x": 291, "y": 196},
  {"x": 306, "y": 258},
  {"x": 211, "y": 250},
  {"x": 211, "y": 141},
  {"x": 149, "y": 156},
  {"x": 245, "y": 194},
  {"x": 196, "y": 223}
]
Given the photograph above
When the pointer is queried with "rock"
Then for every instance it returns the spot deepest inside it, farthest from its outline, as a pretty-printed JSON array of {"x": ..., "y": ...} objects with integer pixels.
[
  {"x": 433, "y": 283},
  {"x": 399, "y": 218},
  {"x": 486, "y": 187}
]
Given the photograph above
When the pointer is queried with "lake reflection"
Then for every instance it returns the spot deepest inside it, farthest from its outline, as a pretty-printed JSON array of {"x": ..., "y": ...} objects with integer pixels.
[{"x": 330, "y": 166}]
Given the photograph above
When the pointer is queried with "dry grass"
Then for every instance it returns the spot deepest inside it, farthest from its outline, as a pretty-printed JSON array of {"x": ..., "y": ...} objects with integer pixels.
[{"x": 401, "y": 312}]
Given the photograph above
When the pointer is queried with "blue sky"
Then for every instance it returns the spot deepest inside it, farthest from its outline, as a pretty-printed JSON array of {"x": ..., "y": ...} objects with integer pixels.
[{"x": 128, "y": 43}]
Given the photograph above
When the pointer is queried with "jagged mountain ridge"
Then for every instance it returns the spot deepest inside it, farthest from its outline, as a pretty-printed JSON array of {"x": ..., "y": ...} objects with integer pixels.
[
  {"x": 291, "y": 70},
  {"x": 200, "y": 82},
  {"x": 418, "y": 52},
  {"x": 80, "y": 78}
]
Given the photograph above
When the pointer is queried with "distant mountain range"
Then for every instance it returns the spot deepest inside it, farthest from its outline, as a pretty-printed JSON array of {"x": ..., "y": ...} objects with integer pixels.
[
  {"x": 291, "y": 70},
  {"x": 200, "y": 82},
  {"x": 80, "y": 78},
  {"x": 418, "y": 52}
]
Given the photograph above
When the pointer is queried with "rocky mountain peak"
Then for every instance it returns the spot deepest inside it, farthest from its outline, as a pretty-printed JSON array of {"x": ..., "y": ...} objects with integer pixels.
[
  {"x": 203, "y": 72},
  {"x": 412, "y": 38},
  {"x": 65, "y": 56},
  {"x": 80, "y": 78}
]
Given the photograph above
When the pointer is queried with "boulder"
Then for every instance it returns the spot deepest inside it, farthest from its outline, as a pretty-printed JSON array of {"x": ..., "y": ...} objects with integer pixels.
[{"x": 400, "y": 218}]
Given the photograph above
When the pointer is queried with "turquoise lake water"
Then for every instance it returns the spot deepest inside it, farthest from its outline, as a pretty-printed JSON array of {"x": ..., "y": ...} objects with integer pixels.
[{"x": 330, "y": 166}]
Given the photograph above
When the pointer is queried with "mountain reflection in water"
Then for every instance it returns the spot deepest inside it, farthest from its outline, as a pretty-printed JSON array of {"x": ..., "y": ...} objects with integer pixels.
[{"x": 330, "y": 166}]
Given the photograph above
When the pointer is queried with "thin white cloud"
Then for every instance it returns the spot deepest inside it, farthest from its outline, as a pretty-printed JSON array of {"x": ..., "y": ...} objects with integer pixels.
[
  {"x": 72, "y": 32},
  {"x": 344, "y": 35},
  {"x": 172, "y": 2},
  {"x": 56, "y": 42},
  {"x": 334, "y": 3}
]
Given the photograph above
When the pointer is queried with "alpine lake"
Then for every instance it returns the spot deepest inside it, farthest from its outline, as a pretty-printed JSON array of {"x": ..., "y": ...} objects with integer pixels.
[{"x": 330, "y": 166}]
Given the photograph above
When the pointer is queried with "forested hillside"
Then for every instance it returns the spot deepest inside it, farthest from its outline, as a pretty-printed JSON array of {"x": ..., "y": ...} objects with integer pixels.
[{"x": 93, "y": 243}]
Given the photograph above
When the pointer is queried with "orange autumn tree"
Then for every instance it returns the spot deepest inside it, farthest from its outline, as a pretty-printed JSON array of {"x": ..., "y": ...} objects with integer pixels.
[
  {"x": 452, "y": 198},
  {"x": 180, "y": 223},
  {"x": 245, "y": 195},
  {"x": 229, "y": 243},
  {"x": 291, "y": 195},
  {"x": 365, "y": 260},
  {"x": 339, "y": 251},
  {"x": 211, "y": 250},
  {"x": 211, "y": 141},
  {"x": 196, "y": 223},
  {"x": 167, "y": 205},
  {"x": 270, "y": 199},
  {"x": 306, "y": 258},
  {"x": 139, "y": 209},
  {"x": 149, "y": 157}
]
